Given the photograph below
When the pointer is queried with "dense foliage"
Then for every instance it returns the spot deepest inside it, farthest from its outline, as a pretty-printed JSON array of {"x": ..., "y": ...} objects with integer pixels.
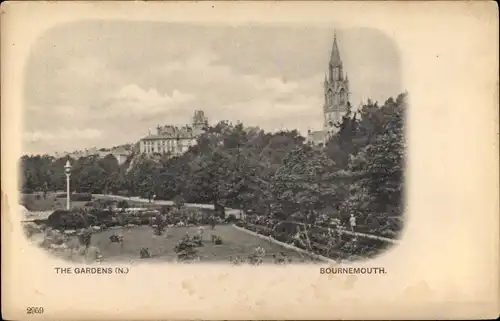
[{"x": 278, "y": 175}]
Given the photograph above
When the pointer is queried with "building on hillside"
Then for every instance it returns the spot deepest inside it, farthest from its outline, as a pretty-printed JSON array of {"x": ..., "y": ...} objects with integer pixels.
[
  {"x": 120, "y": 153},
  {"x": 336, "y": 93},
  {"x": 174, "y": 140}
]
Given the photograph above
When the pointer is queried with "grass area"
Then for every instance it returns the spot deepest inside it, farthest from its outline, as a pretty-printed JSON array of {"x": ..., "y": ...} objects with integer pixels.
[
  {"x": 51, "y": 203},
  {"x": 235, "y": 243}
]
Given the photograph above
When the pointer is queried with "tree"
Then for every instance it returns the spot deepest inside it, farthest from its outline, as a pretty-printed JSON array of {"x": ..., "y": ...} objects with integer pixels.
[
  {"x": 377, "y": 170},
  {"x": 304, "y": 184},
  {"x": 211, "y": 179}
]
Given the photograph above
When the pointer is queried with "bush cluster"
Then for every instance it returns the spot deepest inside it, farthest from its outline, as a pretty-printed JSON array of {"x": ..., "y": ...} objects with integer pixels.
[
  {"x": 77, "y": 197},
  {"x": 101, "y": 213},
  {"x": 186, "y": 248}
]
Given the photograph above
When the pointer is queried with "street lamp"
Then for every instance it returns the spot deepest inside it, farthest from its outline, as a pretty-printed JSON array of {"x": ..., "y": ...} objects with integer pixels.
[{"x": 67, "y": 171}]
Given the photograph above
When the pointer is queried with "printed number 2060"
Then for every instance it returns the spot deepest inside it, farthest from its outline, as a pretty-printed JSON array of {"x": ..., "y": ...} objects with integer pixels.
[{"x": 34, "y": 310}]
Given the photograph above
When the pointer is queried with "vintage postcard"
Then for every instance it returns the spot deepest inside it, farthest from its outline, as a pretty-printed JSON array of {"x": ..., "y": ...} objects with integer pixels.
[{"x": 250, "y": 161}]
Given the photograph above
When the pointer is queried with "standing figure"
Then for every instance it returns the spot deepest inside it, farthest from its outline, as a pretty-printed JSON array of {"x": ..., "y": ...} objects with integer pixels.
[
  {"x": 212, "y": 222},
  {"x": 200, "y": 232},
  {"x": 338, "y": 233},
  {"x": 352, "y": 222},
  {"x": 298, "y": 239}
]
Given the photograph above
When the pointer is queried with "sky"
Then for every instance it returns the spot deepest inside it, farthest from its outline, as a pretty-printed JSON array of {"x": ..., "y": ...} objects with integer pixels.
[{"x": 105, "y": 83}]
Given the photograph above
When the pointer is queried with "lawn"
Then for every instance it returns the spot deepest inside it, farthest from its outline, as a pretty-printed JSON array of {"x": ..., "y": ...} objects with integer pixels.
[
  {"x": 51, "y": 203},
  {"x": 235, "y": 243}
]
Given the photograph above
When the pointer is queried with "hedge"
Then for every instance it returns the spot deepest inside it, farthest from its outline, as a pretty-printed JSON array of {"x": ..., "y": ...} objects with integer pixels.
[
  {"x": 77, "y": 197},
  {"x": 97, "y": 213},
  {"x": 62, "y": 219}
]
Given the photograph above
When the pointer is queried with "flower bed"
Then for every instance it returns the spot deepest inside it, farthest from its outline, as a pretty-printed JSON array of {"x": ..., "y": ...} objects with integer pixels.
[
  {"x": 104, "y": 215},
  {"x": 343, "y": 246}
]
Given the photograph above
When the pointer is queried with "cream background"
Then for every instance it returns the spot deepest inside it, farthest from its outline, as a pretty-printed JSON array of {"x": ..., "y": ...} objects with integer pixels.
[{"x": 447, "y": 264}]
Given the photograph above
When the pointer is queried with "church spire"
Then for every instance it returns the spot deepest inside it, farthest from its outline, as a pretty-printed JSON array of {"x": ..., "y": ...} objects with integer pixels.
[{"x": 335, "y": 55}]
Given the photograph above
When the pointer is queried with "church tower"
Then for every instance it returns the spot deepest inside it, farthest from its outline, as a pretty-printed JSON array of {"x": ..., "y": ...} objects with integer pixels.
[
  {"x": 199, "y": 120},
  {"x": 336, "y": 91}
]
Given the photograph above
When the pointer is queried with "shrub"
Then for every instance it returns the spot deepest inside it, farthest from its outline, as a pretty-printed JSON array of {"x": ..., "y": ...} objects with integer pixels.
[
  {"x": 28, "y": 202},
  {"x": 160, "y": 225},
  {"x": 77, "y": 197},
  {"x": 186, "y": 249},
  {"x": 134, "y": 220},
  {"x": 145, "y": 253},
  {"x": 147, "y": 214},
  {"x": 55, "y": 219},
  {"x": 81, "y": 197},
  {"x": 165, "y": 209},
  {"x": 62, "y": 219},
  {"x": 220, "y": 211},
  {"x": 121, "y": 220},
  {"x": 197, "y": 239},
  {"x": 53, "y": 237},
  {"x": 283, "y": 237},
  {"x": 102, "y": 215},
  {"x": 191, "y": 211},
  {"x": 101, "y": 204},
  {"x": 90, "y": 219},
  {"x": 122, "y": 204},
  {"x": 124, "y": 193},
  {"x": 145, "y": 220},
  {"x": 238, "y": 260},
  {"x": 179, "y": 201},
  {"x": 241, "y": 224},
  {"x": 281, "y": 258},
  {"x": 256, "y": 258},
  {"x": 85, "y": 238},
  {"x": 30, "y": 229}
]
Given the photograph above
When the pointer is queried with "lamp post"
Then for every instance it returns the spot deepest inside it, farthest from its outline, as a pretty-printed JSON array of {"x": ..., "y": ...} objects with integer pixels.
[{"x": 67, "y": 171}]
